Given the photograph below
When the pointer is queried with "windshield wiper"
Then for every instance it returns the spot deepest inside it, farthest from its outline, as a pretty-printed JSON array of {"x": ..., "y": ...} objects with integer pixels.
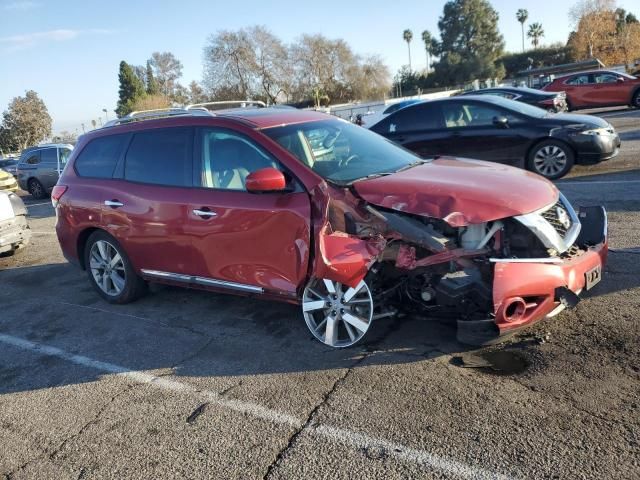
[{"x": 422, "y": 161}]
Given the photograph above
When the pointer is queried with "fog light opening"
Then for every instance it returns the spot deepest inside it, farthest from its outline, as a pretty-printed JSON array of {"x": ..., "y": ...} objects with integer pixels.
[{"x": 515, "y": 309}]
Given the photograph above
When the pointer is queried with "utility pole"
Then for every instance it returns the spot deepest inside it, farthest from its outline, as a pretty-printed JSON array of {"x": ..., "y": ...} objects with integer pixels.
[{"x": 106, "y": 114}]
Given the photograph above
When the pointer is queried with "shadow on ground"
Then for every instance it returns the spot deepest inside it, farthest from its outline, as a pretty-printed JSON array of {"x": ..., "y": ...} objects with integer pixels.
[{"x": 194, "y": 333}]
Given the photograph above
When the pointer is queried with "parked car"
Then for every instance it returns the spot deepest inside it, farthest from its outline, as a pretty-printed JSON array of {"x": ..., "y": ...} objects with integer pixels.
[
  {"x": 9, "y": 165},
  {"x": 306, "y": 208},
  {"x": 14, "y": 229},
  {"x": 504, "y": 131},
  {"x": 371, "y": 119},
  {"x": 7, "y": 182},
  {"x": 39, "y": 167},
  {"x": 551, "y": 101},
  {"x": 599, "y": 88}
]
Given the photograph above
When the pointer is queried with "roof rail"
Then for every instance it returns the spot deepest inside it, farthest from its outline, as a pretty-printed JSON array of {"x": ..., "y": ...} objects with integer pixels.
[
  {"x": 240, "y": 103},
  {"x": 153, "y": 114}
]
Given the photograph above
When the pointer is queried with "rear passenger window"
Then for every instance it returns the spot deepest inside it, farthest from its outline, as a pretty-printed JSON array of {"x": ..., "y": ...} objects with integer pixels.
[
  {"x": 49, "y": 155},
  {"x": 98, "y": 159},
  {"x": 160, "y": 157}
]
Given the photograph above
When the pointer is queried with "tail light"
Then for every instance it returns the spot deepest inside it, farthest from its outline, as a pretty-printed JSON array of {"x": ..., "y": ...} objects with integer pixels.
[{"x": 56, "y": 194}]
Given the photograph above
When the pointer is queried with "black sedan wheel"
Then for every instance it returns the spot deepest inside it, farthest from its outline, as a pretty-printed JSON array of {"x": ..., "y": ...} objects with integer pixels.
[{"x": 551, "y": 159}]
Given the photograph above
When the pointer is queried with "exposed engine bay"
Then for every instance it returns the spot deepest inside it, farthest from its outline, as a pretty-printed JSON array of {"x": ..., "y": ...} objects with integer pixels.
[{"x": 424, "y": 265}]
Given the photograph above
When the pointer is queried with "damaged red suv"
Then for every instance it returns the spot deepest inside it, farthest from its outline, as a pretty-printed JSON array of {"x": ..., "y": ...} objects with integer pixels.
[{"x": 305, "y": 208}]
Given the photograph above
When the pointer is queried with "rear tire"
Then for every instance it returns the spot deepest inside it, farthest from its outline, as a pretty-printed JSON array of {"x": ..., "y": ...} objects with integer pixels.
[
  {"x": 110, "y": 271},
  {"x": 635, "y": 101},
  {"x": 36, "y": 189},
  {"x": 551, "y": 159}
]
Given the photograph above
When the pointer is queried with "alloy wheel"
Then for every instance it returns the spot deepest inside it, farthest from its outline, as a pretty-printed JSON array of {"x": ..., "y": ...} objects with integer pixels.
[
  {"x": 35, "y": 189},
  {"x": 107, "y": 268},
  {"x": 550, "y": 160},
  {"x": 336, "y": 314}
]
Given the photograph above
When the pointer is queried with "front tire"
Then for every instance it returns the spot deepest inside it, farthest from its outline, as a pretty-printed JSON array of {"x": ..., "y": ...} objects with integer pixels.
[
  {"x": 110, "y": 271},
  {"x": 551, "y": 159},
  {"x": 635, "y": 101},
  {"x": 337, "y": 315}
]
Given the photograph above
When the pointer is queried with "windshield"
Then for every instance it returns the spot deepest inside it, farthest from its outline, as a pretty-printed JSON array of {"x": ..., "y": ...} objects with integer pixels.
[
  {"x": 340, "y": 151},
  {"x": 520, "y": 107}
]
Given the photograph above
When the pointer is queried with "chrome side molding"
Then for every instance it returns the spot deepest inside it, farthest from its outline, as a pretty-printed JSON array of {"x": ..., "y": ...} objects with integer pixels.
[{"x": 204, "y": 281}]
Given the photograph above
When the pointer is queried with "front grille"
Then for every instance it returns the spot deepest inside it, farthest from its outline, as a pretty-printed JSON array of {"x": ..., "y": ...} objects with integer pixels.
[{"x": 558, "y": 217}]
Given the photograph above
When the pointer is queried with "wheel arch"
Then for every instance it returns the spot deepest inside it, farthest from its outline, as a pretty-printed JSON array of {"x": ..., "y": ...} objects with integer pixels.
[
  {"x": 634, "y": 92},
  {"x": 81, "y": 243},
  {"x": 538, "y": 141}
]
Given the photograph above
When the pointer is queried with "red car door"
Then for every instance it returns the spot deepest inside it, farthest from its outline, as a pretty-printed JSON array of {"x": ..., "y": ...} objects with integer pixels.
[
  {"x": 245, "y": 241},
  {"x": 146, "y": 206},
  {"x": 610, "y": 89},
  {"x": 577, "y": 89}
]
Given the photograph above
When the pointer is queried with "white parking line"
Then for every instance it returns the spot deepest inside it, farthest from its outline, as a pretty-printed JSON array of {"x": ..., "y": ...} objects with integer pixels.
[
  {"x": 37, "y": 204},
  {"x": 598, "y": 182},
  {"x": 335, "y": 434}
]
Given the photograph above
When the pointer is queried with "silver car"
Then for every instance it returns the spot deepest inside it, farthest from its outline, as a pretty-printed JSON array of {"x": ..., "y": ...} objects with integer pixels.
[{"x": 39, "y": 167}]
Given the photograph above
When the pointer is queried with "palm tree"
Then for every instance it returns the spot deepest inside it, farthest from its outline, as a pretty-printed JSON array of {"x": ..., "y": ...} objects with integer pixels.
[
  {"x": 407, "y": 35},
  {"x": 428, "y": 42},
  {"x": 535, "y": 33},
  {"x": 522, "y": 15}
]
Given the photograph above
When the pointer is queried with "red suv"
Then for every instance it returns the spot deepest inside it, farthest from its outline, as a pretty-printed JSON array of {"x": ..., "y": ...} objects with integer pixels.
[
  {"x": 306, "y": 208},
  {"x": 600, "y": 88}
]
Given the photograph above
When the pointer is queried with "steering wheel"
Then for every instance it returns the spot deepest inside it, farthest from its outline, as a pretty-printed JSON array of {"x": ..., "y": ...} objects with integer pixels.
[{"x": 345, "y": 162}]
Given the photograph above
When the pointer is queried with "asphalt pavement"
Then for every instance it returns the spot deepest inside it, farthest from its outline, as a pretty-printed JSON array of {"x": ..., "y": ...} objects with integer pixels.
[{"x": 188, "y": 384}]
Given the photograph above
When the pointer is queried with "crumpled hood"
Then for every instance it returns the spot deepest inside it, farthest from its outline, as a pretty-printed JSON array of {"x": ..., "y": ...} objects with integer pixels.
[{"x": 460, "y": 192}]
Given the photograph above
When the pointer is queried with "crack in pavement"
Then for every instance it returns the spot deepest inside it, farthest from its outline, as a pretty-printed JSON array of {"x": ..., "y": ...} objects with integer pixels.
[
  {"x": 367, "y": 352},
  {"x": 52, "y": 454}
]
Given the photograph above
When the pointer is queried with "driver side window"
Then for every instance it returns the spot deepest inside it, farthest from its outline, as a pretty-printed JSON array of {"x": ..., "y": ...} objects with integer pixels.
[{"x": 227, "y": 159}]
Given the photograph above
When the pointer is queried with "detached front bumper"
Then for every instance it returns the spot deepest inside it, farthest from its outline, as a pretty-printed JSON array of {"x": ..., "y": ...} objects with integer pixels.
[{"x": 525, "y": 292}]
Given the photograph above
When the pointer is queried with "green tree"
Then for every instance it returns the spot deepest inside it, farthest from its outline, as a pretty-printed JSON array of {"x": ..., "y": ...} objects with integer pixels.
[
  {"x": 152, "y": 84},
  {"x": 25, "y": 123},
  {"x": 535, "y": 33},
  {"x": 131, "y": 89},
  {"x": 522, "y": 14},
  {"x": 470, "y": 45},
  {"x": 428, "y": 45},
  {"x": 407, "y": 36}
]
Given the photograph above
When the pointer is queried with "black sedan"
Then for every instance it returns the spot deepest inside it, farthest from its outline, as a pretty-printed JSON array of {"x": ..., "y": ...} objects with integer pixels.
[
  {"x": 551, "y": 101},
  {"x": 500, "y": 130}
]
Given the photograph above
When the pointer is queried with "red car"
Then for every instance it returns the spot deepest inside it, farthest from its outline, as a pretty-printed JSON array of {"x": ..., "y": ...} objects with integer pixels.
[
  {"x": 599, "y": 88},
  {"x": 306, "y": 208}
]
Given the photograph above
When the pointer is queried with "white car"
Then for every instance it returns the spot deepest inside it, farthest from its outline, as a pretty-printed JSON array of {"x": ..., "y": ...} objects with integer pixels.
[
  {"x": 369, "y": 121},
  {"x": 14, "y": 229}
]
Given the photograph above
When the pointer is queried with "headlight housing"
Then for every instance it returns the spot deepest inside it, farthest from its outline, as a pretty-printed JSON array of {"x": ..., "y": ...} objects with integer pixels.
[{"x": 598, "y": 131}]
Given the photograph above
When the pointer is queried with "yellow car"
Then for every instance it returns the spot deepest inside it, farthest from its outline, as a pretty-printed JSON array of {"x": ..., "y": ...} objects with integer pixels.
[{"x": 7, "y": 182}]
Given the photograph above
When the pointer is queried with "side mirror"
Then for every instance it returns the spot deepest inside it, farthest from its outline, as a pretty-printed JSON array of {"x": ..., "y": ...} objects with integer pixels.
[
  {"x": 265, "y": 180},
  {"x": 620, "y": 79},
  {"x": 502, "y": 122}
]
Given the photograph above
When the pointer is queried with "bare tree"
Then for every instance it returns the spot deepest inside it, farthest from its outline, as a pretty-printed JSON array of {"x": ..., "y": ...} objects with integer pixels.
[
  {"x": 228, "y": 64},
  {"x": 196, "y": 93},
  {"x": 167, "y": 69}
]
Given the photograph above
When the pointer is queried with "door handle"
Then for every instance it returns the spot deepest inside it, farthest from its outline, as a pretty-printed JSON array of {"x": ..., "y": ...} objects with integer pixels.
[
  {"x": 113, "y": 203},
  {"x": 204, "y": 212}
]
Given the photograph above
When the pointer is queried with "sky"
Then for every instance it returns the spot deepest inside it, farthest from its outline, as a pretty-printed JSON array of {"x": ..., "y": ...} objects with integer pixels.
[{"x": 69, "y": 50}]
